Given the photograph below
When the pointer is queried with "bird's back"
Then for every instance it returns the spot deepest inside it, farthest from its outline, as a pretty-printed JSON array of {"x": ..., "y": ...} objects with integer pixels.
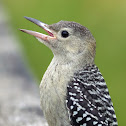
[{"x": 88, "y": 99}]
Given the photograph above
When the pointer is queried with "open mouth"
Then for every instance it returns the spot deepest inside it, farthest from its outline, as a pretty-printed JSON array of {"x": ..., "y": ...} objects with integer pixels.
[{"x": 37, "y": 34}]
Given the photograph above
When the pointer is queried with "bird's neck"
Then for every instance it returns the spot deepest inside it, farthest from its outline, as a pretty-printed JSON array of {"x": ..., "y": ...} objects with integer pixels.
[{"x": 73, "y": 62}]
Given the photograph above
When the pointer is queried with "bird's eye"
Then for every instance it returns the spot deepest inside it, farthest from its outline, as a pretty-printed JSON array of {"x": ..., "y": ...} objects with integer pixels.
[{"x": 64, "y": 34}]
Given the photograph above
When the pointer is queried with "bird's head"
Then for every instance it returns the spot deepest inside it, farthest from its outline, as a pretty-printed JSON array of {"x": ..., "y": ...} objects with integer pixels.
[{"x": 67, "y": 40}]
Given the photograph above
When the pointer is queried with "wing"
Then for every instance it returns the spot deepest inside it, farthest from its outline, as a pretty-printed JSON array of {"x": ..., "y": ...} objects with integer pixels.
[{"x": 88, "y": 100}]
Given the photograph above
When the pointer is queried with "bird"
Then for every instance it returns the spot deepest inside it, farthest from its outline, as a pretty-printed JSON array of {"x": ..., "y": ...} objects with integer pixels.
[{"x": 73, "y": 91}]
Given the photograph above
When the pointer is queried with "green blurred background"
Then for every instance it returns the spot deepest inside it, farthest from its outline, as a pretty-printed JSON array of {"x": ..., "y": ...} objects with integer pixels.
[{"x": 105, "y": 19}]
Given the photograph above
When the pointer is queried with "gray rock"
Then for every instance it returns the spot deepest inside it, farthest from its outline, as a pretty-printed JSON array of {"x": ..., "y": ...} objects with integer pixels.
[{"x": 19, "y": 95}]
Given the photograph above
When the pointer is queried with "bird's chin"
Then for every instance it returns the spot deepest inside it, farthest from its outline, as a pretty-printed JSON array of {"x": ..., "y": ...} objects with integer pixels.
[
  {"x": 44, "y": 41},
  {"x": 40, "y": 40}
]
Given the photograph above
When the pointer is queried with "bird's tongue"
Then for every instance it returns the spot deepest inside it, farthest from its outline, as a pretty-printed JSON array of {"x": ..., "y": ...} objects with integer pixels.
[{"x": 49, "y": 33}]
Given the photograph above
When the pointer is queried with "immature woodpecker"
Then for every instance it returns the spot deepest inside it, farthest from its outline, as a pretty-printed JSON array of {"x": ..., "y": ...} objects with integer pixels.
[{"x": 73, "y": 91}]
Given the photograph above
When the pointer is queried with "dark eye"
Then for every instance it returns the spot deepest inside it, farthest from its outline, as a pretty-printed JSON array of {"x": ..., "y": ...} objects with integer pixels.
[{"x": 64, "y": 34}]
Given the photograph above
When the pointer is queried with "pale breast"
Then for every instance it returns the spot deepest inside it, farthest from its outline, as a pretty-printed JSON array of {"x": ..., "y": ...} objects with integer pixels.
[{"x": 53, "y": 94}]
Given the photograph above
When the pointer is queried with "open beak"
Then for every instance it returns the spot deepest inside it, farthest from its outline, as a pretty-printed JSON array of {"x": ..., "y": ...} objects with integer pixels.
[{"x": 37, "y": 34}]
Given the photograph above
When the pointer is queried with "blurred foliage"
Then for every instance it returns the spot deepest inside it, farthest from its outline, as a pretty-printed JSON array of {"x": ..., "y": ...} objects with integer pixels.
[{"x": 105, "y": 19}]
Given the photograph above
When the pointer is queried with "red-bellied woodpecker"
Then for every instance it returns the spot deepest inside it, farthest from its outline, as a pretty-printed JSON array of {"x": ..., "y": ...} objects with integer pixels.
[{"x": 73, "y": 91}]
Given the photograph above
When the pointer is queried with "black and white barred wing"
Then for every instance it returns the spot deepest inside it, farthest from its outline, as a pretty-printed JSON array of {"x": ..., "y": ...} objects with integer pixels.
[{"x": 88, "y": 100}]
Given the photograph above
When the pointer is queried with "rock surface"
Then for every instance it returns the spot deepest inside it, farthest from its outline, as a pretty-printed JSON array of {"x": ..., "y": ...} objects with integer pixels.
[{"x": 19, "y": 95}]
